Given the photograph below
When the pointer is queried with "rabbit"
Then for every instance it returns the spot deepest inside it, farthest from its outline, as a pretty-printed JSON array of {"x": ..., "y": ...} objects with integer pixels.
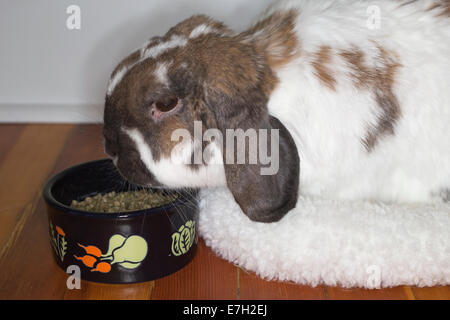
[{"x": 357, "y": 94}]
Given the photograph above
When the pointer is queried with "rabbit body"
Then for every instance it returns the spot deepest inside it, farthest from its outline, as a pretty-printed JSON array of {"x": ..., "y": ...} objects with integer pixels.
[{"x": 356, "y": 138}]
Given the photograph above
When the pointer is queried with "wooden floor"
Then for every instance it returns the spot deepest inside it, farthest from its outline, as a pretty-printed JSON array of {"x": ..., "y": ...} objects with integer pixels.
[{"x": 29, "y": 154}]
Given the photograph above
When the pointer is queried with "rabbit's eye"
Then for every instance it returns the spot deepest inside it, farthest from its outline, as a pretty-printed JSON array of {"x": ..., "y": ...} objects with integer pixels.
[
  {"x": 161, "y": 109},
  {"x": 166, "y": 106}
]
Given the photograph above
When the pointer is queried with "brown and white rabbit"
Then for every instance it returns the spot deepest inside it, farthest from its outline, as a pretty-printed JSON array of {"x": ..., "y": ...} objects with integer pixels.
[{"x": 362, "y": 106}]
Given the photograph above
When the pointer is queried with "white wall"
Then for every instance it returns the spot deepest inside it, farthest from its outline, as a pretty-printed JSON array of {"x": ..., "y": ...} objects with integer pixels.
[{"x": 49, "y": 73}]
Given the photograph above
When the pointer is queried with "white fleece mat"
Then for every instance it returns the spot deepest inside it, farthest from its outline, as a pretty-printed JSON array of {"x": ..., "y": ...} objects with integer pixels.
[{"x": 350, "y": 244}]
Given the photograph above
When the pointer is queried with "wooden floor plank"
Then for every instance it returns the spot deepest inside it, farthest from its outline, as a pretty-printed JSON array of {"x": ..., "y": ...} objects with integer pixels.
[
  {"x": 24, "y": 256},
  {"x": 253, "y": 287},
  {"x": 432, "y": 293},
  {"x": 85, "y": 144},
  {"x": 396, "y": 293},
  {"x": 409, "y": 293},
  {"x": 9, "y": 134},
  {"x": 99, "y": 291},
  {"x": 28, "y": 270},
  {"x": 24, "y": 171},
  {"x": 206, "y": 277}
]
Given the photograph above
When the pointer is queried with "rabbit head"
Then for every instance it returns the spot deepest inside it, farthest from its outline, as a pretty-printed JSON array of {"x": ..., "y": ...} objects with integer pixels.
[{"x": 200, "y": 72}]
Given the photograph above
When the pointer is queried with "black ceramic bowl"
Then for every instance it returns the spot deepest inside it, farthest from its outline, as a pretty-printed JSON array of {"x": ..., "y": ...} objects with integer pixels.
[{"x": 122, "y": 247}]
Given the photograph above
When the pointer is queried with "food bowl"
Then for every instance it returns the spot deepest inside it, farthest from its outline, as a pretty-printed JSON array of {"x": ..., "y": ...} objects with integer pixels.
[{"x": 123, "y": 247}]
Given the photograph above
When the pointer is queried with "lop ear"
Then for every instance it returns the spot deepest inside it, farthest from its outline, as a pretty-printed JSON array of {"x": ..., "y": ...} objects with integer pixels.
[
  {"x": 265, "y": 189},
  {"x": 238, "y": 86},
  {"x": 266, "y": 192}
]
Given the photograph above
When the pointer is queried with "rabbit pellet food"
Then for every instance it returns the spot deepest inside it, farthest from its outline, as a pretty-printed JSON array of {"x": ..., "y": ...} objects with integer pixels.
[{"x": 113, "y": 202}]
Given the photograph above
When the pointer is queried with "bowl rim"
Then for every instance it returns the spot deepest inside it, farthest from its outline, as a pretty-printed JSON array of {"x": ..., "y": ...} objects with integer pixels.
[{"x": 50, "y": 199}]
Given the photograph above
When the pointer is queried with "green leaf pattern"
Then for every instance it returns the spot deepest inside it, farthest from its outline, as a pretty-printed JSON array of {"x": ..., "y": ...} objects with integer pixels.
[{"x": 183, "y": 239}]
